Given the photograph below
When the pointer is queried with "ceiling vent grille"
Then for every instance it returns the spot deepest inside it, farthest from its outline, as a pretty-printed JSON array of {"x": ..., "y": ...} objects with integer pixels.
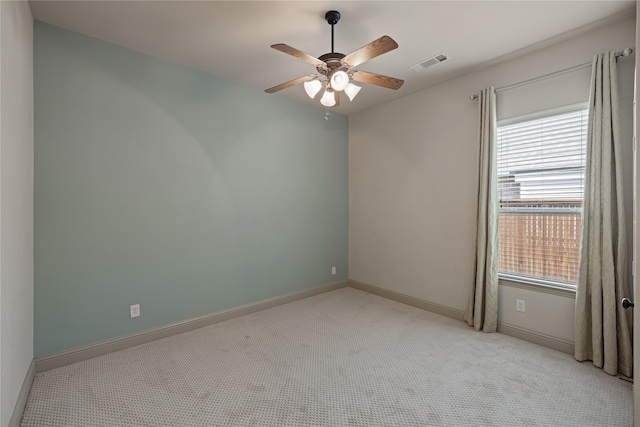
[{"x": 423, "y": 65}]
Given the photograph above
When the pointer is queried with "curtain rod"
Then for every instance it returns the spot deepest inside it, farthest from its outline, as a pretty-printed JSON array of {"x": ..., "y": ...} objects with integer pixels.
[{"x": 624, "y": 53}]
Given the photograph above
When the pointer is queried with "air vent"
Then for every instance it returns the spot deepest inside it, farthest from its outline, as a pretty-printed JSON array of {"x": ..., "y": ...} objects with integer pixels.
[{"x": 423, "y": 65}]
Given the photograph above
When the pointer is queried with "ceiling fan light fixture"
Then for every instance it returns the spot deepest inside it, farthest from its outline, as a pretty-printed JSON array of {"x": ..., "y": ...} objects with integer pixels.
[
  {"x": 335, "y": 69},
  {"x": 312, "y": 88},
  {"x": 352, "y": 90},
  {"x": 339, "y": 80},
  {"x": 328, "y": 98}
]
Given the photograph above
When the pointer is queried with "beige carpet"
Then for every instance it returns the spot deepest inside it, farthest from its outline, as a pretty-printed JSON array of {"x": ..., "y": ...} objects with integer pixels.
[{"x": 344, "y": 358}]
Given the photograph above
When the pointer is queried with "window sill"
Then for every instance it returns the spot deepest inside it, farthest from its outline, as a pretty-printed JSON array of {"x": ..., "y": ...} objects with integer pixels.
[{"x": 566, "y": 291}]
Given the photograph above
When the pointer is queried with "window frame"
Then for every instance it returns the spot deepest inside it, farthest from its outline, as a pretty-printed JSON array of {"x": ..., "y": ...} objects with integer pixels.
[{"x": 528, "y": 282}]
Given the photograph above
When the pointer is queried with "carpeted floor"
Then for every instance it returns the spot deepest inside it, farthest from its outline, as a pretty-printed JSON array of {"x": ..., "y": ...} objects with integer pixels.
[{"x": 343, "y": 358}]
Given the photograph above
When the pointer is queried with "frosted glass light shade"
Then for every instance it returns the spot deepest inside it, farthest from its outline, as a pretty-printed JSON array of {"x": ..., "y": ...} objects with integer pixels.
[
  {"x": 352, "y": 90},
  {"x": 312, "y": 88},
  {"x": 328, "y": 99},
  {"x": 339, "y": 80}
]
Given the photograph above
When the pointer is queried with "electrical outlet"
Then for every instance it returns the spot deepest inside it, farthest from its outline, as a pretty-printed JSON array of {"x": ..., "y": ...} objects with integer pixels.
[
  {"x": 134, "y": 310},
  {"x": 333, "y": 270},
  {"x": 520, "y": 305}
]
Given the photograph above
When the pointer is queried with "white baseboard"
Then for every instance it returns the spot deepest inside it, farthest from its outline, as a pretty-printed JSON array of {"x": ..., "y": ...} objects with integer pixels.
[
  {"x": 513, "y": 331},
  {"x": 406, "y": 299},
  {"x": 18, "y": 410},
  {"x": 98, "y": 349},
  {"x": 536, "y": 338}
]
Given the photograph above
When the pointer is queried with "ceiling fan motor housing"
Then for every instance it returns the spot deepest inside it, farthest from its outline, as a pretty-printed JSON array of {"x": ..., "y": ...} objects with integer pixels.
[{"x": 333, "y": 61}]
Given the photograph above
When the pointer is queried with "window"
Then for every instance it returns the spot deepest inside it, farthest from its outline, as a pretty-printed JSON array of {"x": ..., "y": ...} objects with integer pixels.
[{"x": 541, "y": 166}]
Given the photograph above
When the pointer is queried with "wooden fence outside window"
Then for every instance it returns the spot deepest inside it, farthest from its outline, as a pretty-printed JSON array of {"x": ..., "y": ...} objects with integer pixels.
[{"x": 540, "y": 239}]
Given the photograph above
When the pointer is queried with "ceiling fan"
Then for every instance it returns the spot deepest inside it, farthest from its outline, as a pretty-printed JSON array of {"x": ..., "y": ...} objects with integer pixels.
[{"x": 335, "y": 68}]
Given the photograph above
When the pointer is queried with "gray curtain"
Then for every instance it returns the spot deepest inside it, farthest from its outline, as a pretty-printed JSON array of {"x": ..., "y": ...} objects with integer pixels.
[
  {"x": 482, "y": 308},
  {"x": 602, "y": 328}
]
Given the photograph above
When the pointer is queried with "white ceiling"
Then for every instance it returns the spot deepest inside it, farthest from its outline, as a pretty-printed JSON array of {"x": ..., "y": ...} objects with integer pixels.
[{"x": 231, "y": 39}]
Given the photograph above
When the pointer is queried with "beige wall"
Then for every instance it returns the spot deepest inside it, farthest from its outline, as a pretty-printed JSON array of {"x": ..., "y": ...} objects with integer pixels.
[
  {"x": 412, "y": 179},
  {"x": 16, "y": 202}
]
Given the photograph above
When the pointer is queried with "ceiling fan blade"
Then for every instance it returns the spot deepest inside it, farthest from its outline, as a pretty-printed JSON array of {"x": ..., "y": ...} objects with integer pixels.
[
  {"x": 376, "y": 79},
  {"x": 376, "y": 48},
  {"x": 291, "y": 83},
  {"x": 299, "y": 54}
]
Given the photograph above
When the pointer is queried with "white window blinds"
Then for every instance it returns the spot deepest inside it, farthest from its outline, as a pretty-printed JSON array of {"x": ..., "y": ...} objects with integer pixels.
[{"x": 541, "y": 165}]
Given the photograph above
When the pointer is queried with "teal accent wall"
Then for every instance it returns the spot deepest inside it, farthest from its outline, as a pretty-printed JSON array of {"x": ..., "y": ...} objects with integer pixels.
[{"x": 164, "y": 186}]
